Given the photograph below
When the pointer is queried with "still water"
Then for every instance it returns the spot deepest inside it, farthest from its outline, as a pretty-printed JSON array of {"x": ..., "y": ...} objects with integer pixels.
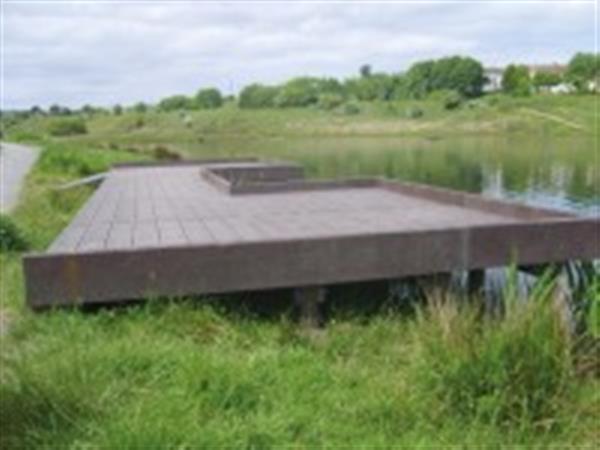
[{"x": 561, "y": 173}]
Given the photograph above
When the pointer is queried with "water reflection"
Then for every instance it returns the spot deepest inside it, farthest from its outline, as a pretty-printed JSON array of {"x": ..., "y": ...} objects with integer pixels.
[{"x": 552, "y": 172}]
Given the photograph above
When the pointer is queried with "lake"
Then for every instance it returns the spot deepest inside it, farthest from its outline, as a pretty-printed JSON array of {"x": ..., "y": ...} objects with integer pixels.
[{"x": 561, "y": 173}]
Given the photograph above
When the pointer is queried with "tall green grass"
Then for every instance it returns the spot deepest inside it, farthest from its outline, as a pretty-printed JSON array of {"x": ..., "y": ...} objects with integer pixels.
[{"x": 187, "y": 375}]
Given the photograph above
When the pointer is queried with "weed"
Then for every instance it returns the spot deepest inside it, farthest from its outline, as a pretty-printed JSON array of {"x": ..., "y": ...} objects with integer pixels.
[
  {"x": 67, "y": 127},
  {"x": 12, "y": 238}
]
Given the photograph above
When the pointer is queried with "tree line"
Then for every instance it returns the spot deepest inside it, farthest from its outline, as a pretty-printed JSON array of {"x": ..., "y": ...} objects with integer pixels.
[{"x": 459, "y": 77}]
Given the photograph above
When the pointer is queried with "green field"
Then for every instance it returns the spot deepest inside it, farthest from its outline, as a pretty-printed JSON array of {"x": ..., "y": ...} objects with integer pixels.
[{"x": 239, "y": 372}]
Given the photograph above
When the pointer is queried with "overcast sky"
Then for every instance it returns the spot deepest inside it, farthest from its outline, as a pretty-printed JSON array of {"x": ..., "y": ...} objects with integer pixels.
[{"x": 115, "y": 52}]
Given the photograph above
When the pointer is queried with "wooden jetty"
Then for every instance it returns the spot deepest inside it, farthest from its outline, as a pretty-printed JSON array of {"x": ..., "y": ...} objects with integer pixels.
[{"x": 237, "y": 225}]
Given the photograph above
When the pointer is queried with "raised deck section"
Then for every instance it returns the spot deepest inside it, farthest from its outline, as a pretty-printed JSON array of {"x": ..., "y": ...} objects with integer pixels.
[{"x": 199, "y": 228}]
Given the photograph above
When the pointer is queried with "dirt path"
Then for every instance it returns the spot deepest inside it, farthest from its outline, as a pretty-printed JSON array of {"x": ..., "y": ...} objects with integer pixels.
[
  {"x": 554, "y": 118},
  {"x": 15, "y": 163}
]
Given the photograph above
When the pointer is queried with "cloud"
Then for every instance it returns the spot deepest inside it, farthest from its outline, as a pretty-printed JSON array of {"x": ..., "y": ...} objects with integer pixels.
[{"x": 106, "y": 53}]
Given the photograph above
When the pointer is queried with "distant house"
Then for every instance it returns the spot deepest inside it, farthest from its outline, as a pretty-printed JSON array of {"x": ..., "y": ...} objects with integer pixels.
[
  {"x": 555, "y": 68},
  {"x": 493, "y": 79},
  {"x": 562, "y": 88}
]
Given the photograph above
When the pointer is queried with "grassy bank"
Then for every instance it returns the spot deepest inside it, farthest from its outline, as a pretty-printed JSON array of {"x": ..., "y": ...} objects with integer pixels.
[
  {"x": 194, "y": 373},
  {"x": 189, "y": 130},
  {"x": 188, "y": 376}
]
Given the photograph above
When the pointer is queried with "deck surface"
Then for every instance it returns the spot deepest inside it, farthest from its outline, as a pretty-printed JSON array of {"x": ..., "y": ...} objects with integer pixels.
[{"x": 154, "y": 207}]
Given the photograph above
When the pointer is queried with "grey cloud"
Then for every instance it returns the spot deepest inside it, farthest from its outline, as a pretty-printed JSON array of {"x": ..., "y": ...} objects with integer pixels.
[{"x": 105, "y": 53}]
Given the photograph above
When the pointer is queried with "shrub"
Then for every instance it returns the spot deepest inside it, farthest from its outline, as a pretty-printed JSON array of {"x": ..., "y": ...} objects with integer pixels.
[
  {"x": 351, "y": 109},
  {"x": 162, "y": 152},
  {"x": 208, "y": 98},
  {"x": 299, "y": 92},
  {"x": 452, "y": 100},
  {"x": 140, "y": 107},
  {"x": 258, "y": 96},
  {"x": 138, "y": 122},
  {"x": 330, "y": 101},
  {"x": 414, "y": 112},
  {"x": 378, "y": 86},
  {"x": 67, "y": 127},
  {"x": 11, "y": 237},
  {"x": 175, "y": 102},
  {"x": 516, "y": 80}
]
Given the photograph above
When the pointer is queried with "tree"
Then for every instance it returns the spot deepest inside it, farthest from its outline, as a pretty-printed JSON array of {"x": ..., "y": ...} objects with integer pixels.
[
  {"x": 140, "y": 107},
  {"x": 88, "y": 110},
  {"x": 36, "y": 111},
  {"x": 258, "y": 96},
  {"x": 378, "y": 86},
  {"x": 57, "y": 110},
  {"x": 419, "y": 79},
  {"x": 546, "y": 79},
  {"x": 584, "y": 70},
  {"x": 516, "y": 81},
  {"x": 208, "y": 98},
  {"x": 365, "y": 71},
  {"x": 117, "y": 110},
  {"x": 300, "y": 92},
  {"x": 461, "y": 74},
  {"x": 54, "y": 110}
]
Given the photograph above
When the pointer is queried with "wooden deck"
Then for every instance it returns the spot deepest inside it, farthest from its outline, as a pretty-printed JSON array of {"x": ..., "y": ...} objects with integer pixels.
[{"x": 214, "y": 227}]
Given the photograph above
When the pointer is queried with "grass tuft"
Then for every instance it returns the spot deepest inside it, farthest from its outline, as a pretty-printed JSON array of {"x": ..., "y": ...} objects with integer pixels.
[{"x": 12, "y": 238}]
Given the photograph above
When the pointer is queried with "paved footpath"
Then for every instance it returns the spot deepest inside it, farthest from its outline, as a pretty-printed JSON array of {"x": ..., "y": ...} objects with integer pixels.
[{"x": 15, "y": 162}]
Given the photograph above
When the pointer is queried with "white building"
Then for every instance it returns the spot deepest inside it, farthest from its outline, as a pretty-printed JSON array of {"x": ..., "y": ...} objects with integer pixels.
[{"x": 493, "y": 77}]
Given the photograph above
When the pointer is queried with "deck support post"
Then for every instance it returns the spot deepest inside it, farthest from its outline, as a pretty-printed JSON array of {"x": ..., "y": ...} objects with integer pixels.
[
  {"x": 475, "y": 281},
  {"x": 309, "y": 302}
]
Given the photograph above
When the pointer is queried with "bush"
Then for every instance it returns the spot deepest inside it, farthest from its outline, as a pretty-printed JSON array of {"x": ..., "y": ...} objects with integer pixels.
[
  {"x": 452, "y": 100},
  {"x": 330, "y": 101},
  {"x": 162, "y": 152},
  {"x": 298, "y": 92},
  {"x": 11, "y": 237},
  {"x": 136, "y": 123},
  {"x": 208, "y": 98},
  {"x": 351, "y": 109},
  {"x": 414, "y": 112},
  {"x": 140, "y": 107},
  {"x": 175, "y": 102},
  {"x": 516, "y": 81},
  {"x": 258, "y": 96},
  {"x": 67, "y": 127}
]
